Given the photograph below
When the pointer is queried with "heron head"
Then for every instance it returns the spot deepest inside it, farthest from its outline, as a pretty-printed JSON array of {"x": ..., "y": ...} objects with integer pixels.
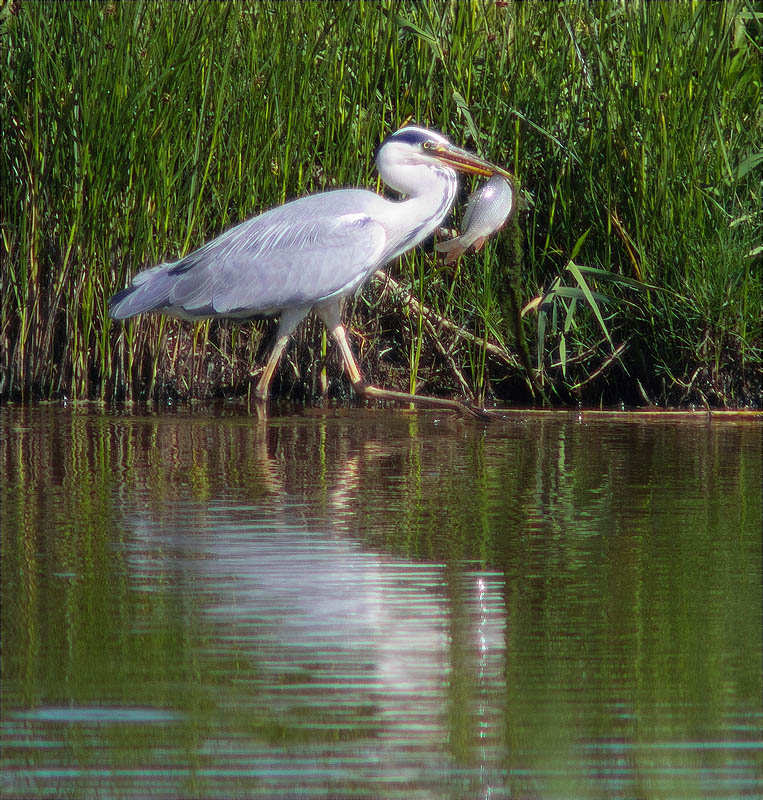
[{"x": 413, "y": 146}]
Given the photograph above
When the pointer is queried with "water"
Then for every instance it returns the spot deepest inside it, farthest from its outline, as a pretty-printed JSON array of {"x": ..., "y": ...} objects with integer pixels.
[{"x": 378, "y": 604}]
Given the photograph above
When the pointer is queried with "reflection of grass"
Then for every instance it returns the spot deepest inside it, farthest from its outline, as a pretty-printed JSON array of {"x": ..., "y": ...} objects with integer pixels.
[
  {"x": 133, "y": 133},
  {"x": 626, "y": 556}
]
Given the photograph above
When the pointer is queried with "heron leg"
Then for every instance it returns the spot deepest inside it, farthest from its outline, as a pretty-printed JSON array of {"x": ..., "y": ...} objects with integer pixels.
[
  {"x": 263, "y": 384},
  {"x": 331, "y": 316},
  {"x": 350, "y": 364},
  {"x": 286, "y": 325}
]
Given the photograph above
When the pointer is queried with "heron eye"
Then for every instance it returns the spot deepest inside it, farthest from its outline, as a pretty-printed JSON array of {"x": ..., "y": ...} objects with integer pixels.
[{"x": 428, "y": 144}]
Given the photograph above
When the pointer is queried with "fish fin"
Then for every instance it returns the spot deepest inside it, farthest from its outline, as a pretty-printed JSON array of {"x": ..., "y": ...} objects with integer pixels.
[
  {"x": 446, "y": 247},
  {"x": 452, "y": 249}
]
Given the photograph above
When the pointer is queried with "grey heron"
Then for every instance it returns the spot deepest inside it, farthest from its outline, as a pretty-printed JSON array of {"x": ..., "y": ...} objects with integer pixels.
[{"x": 312, "y": 252}]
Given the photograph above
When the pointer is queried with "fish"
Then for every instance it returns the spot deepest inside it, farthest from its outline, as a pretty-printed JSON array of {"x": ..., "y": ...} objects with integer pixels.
[{"x": 486, "y": 212}]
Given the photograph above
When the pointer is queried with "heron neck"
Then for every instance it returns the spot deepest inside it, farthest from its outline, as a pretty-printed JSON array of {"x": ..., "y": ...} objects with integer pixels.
[{"x": 425, "y": 208}]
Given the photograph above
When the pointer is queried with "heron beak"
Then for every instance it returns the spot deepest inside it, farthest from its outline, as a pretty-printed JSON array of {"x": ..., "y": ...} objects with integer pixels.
[{"x": 464, "y": 161}]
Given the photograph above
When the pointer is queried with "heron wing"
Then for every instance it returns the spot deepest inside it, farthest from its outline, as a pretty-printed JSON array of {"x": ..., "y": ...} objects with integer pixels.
[{"x": 295, "y": 255}]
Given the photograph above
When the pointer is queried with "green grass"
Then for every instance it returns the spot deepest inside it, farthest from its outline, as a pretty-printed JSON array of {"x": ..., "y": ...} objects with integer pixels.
[{"x": 134, "y": 132}]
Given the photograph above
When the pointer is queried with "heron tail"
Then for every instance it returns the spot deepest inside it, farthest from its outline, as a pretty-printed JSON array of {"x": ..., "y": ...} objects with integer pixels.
[{"x": 149, "y": 291}]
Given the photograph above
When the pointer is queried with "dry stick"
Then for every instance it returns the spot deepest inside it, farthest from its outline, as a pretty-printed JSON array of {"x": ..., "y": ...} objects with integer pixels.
[
  {"x": 688, "y": 385},
  {"x": 592, "y": 350},
  {"x": 607, "y": 361},
  {"x": 445, "y": 353},
  {"x": 642, "y": 392},
  {"x": 426, "y": 312}
]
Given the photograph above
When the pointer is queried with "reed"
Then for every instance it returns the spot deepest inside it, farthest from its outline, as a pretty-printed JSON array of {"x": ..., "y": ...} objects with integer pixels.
[{"x": 133, "y": 132}]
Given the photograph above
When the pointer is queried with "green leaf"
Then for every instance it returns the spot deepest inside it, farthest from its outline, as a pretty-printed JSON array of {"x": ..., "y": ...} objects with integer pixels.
[
  {"x": 569, "y": 321},
  {"x": 578, "y": 245},
  {"x": 578, "y": 294},
  {"x": 572, "y": 268},
  {"x": 427, "y": 36},
  {"x": 541, "y": 339},
  {"x": 554, "y": 323},
  {"x": 464, "y": 110},
  {"x": 606, "y": 275},
  {"x": 749, "y": 164}
]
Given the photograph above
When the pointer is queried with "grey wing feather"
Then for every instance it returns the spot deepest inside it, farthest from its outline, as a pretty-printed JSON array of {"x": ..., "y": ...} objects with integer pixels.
[
  {"x": 282, "y": 266},
  {"x": 292, "y": 256}
]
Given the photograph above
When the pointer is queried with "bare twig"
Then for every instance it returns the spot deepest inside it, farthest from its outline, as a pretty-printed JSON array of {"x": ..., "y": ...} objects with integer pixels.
[
  {"x": 407, "y": 297},
  {"x": 604, "y": 364},
  {"x": 449, "y": 359}
]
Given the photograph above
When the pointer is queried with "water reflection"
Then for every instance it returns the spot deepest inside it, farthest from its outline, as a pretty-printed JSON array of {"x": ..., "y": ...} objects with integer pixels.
[
  {"x": 343, "y": 654},
  {"x": 377, "y": 604}
]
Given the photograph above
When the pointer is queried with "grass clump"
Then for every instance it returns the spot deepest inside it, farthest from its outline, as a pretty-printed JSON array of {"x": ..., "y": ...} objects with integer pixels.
[{"x": 134, "y": 132}]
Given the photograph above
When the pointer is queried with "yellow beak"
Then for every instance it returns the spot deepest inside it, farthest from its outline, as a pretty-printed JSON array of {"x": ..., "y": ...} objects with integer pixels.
[{"x": 464, "y": 161}]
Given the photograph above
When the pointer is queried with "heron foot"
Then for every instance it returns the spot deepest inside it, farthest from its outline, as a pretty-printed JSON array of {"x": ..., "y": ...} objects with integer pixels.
[
  {"x": 261, "y": 409},
  {"x": 370, "y": 391}
]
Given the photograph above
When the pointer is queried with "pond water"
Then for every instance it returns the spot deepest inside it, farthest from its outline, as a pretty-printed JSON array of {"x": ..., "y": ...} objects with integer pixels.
[{"x": 379, "y": 604}]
